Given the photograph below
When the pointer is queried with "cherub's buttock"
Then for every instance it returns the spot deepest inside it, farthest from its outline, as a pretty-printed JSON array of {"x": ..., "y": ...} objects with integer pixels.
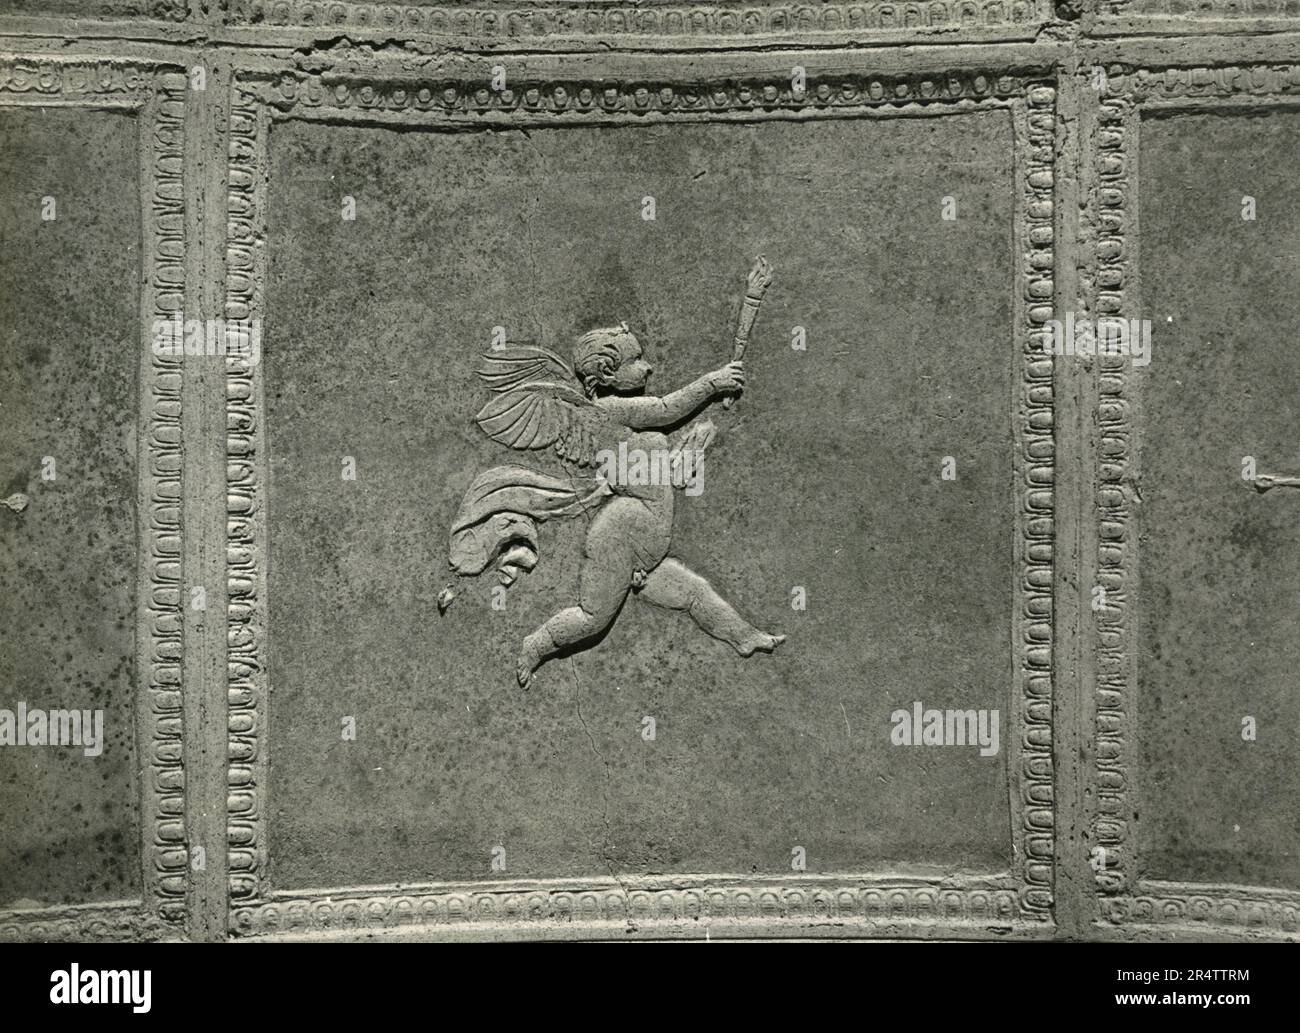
[{"x": 629, "y": 533}]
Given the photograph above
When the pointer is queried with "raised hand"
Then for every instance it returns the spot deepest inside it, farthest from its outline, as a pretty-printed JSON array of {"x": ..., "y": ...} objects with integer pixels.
[
  {"x": 730, "y": 377},
  {"x": 760, "y": 277}
]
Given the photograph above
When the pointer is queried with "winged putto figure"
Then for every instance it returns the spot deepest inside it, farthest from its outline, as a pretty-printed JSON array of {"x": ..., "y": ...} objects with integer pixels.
[{"x": 587, "y": 413}]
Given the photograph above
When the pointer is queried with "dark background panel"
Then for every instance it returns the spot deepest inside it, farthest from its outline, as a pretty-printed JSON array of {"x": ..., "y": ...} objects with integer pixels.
[
  {"x": 69, "y": 369},
  {"x": 826, "y": 476},
  {"x": 1219, "y": 563}
]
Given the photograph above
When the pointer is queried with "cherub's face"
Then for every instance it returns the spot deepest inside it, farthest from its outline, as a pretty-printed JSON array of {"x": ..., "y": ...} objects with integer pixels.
[{"x": 633, "y": 372}]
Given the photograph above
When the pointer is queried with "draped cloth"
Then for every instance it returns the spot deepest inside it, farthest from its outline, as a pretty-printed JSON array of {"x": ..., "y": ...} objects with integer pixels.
[{"x": 500, "y": 513}]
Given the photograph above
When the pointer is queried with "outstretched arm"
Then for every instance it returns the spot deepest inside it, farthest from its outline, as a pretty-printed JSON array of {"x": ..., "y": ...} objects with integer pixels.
[
  {"x": 645, "y": 412},
  {"x": 1267, "y": 481}
]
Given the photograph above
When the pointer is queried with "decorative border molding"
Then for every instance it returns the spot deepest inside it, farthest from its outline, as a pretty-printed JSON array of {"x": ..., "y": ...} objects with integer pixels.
[
  {"x": 1205, "y": 84},
  {"x": 153, "y": 10},
  {"x": 897, "y": 903},
  {"x": 1111, "y": 824},
  {"x": 1035, "y": 221},
  {"x": 511, "y": 20},
  {"x": 114, "y": 922},
  {"x": 1111, "y": 18},
  {"x": 445, "y": 103},
  {"x": 1179, "y": 10},
  {"x": 164, "y": 131},
  {"x": 1124, "y": 897},
  {"x": 157, "y": 95},
  {"x": 245, "y": 529},
  {"x": 82, "y": 82},
  {"x": 1210, "y": 909},
  {"x": 392, "y": 96}
]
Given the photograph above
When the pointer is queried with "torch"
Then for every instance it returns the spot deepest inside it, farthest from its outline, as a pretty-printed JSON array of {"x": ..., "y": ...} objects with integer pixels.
[{"x": 760, "y": 278}]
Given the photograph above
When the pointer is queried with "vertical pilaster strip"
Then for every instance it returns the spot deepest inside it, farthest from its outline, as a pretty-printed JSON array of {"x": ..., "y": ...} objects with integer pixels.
[
  {"x": 1073, "y": 497},
  {"x": 162, "y": 135},
  {"x": 246, "y": 523},
  {"x": 205, "y": 458},
  {"x": 1113, "y": 206},
  {"x": 1035, "y": 465}
]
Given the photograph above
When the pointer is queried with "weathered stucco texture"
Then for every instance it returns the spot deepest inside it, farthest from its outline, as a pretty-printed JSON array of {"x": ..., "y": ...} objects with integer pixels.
[
  {"x": 69, "y": 369},
  {"x": 826, "y": 476},
  {"x": 1220, "y": 574}
]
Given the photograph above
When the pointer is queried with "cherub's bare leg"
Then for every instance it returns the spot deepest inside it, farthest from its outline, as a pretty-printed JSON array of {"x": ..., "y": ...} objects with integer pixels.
[
  {"x": 674, "y": 586},
  {"x": 605, "y": 584}
]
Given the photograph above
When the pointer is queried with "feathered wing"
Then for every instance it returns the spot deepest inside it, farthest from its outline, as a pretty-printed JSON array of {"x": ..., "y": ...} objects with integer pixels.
[{"x": 538, "y": 403}]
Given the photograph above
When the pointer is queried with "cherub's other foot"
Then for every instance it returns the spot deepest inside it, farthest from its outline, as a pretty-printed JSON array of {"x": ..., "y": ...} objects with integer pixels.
[
  {"x": 530, "y": 658},
  {"x": 759, "y": 642}
]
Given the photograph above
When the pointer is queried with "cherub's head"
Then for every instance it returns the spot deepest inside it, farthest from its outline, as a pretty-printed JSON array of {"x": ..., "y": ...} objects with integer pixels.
[{"x": 610, "y": 360}]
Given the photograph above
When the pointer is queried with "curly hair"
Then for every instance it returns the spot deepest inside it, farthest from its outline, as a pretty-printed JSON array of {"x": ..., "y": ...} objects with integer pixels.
[{"x": 596, "y": 356}]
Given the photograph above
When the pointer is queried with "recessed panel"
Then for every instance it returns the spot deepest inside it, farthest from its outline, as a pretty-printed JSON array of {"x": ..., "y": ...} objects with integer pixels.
[
  {"x": 69, "y": 373},
  {"x": 1219, "y": 573},
  {"x": 858, "y": 499}
]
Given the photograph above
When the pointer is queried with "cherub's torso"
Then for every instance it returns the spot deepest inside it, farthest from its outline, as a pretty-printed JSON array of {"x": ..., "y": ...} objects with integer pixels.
[{"x": 639, "y": 514}]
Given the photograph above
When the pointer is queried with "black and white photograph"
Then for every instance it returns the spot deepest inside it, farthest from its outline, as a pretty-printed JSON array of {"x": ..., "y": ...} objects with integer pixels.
[{"x": 652, "y": 471}]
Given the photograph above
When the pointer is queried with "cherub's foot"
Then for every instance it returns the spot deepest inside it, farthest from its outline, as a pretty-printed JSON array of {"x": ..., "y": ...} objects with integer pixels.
[
  {"x": 530, "y": 658},
  {"x": 759, "y": 642}
]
